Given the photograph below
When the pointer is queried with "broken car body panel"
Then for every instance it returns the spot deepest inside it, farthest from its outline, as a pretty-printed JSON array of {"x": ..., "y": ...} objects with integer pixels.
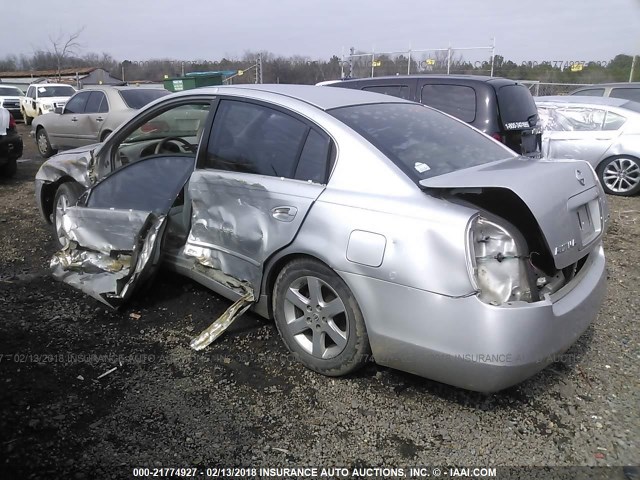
[
  {"x": 109, "y": 251},
  {"x": 409, "y": 248}
]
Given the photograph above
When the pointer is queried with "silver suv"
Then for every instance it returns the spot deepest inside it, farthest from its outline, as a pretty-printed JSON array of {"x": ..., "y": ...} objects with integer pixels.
[{"x": 627, "y": 91}]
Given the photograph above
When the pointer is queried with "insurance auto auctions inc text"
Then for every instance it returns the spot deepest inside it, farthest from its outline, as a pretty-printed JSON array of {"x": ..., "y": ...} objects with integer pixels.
[{"x": 375, "y": 472}]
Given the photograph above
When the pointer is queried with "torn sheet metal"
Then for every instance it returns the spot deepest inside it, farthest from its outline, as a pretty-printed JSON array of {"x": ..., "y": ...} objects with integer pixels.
[
  {"x": 213, "y": 264},
  {"x": 78, "y": 163},
  {"x": 108, "y": 253},
  {"x": 223, "y": 322}
]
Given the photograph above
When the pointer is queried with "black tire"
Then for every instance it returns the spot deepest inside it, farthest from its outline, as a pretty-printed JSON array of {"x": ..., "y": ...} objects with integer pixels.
[
  {"x": 307, "y": 333},
  {"x": 9, "y": 169},
  {"x": 104, "y": 135},
  {"x": 67, "y": 194},
  {"x": 628, "y": 183},
  {"x": 27, "y": 119},
  {"x": 44, "y": 146}
]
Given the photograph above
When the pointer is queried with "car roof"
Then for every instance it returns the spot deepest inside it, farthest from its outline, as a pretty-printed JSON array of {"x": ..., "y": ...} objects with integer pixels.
[
  {"x": 470, "y": 78},
  {"x": 320, "y": 97},
  {"x": 612, "y": 84},
  {"x": 584, "y": 100},
  {"x": 51, "y": 85}
]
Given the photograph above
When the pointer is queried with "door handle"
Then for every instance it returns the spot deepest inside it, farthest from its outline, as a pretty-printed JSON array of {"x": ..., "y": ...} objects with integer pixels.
[
  {"x": 99, "y": 119},
  {"x": 74, "y": 119},
  {"x": 284, "y": 213}
]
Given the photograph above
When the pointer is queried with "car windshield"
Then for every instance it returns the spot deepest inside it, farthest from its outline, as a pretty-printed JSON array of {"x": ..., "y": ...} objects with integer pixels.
[
  {"x": 56, "y": 91},
  {"x": 10, "y": 92},
  {"x": 421, "y": 141},
  {"x": 138, "y": 98}
]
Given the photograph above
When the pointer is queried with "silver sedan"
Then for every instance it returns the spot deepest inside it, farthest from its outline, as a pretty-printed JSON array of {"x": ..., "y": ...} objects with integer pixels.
[
  {"x": 366, "y": 226},
  {"x": 90, "y": 116},
  {"x": 603, "y": 131}
]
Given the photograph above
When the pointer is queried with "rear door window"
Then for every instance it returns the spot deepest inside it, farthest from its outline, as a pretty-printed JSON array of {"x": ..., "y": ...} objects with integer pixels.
[
  {"x": 251, "y": 138},
  {"x": 97, "y": 103},
  {"x": 626, "y": 93},
  {"x": 517, "y": 109},
  {"x": 400, "y": 91},
  {"x": 456, "y": 100}
]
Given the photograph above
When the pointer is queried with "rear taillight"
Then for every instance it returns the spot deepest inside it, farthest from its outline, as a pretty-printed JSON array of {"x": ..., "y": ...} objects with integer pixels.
[
  {"x": 12, "y": 121},
  {"x": 498, "y": 137}
]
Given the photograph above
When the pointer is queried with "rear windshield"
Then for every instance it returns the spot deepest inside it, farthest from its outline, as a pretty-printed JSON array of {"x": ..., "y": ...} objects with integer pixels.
[
  {"x": 55, "y": 91},
  {"x": 137, "y": 99},
  {"x": 517, "y": 108},
  {"x": 421, "y": 141},
  {"x": 10, "y": 92}
]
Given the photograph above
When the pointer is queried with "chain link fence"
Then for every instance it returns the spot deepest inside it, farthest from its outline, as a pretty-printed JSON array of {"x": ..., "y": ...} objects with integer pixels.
[
  {"x": 465, "y": 60},
  {"x": 539, "y": 89}
]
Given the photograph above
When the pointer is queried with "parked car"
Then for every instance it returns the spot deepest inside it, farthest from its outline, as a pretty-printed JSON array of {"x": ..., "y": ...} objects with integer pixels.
[
  {"x": 626, "y": 91},
  {"x": 10, "y": 144},
  {"x": 10, "y": 99},
  {"x": 43, "y": 98},
  {"x": 90, "y": 116},
  {"x": 361, "y": 223},
  {"x": 501, "y": 108},
  {"x": 603, "y": 131}
]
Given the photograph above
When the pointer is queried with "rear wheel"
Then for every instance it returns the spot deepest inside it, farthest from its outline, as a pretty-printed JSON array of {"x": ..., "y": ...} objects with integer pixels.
[
  {"x": 620, "y": 175},
  {"x": 319, "y": 319},
  {"x": 66, "y": 196},
  {"x": 27, "y": 119},
  {"x": 44, "y": 146},
  {"x": 9, "y": 169}
]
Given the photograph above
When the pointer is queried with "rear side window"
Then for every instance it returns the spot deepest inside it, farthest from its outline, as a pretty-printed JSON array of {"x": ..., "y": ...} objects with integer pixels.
[
  {"x": 314, "y": 158},
  {"x": 422, "y": 142},
  {"x": 613, "y": 121},
  {"x": 456, "y": 100},
  {"x": 137, "y": 99},
  {"x": 626, "y": 93},
  {"x": 517, "y": 108},
  {"x": 590, "y": 92},
  {"x": 400, "y": 91}
]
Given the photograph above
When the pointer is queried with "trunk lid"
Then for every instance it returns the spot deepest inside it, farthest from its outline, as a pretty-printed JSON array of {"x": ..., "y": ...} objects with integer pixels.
[{"x": 564, "y": 197}]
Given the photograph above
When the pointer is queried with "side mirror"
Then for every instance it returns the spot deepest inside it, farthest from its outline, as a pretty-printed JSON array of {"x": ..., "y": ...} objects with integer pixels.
[{"x": 58, "y": 110}]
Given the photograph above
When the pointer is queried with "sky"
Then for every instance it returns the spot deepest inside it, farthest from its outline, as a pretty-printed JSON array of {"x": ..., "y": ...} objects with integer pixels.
[{"x": 536, "y": 30}]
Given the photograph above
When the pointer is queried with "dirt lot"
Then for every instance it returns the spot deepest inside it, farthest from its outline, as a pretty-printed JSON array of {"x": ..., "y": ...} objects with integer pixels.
[{"x": 244, "y": 402}]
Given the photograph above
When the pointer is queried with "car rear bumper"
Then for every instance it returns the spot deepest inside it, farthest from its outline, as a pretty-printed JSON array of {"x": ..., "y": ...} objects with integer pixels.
[{"x": 470, "y": 344}]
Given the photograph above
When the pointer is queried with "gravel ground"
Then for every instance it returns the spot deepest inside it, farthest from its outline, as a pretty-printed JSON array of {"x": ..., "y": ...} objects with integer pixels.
[{"x": 244, "y": 402}]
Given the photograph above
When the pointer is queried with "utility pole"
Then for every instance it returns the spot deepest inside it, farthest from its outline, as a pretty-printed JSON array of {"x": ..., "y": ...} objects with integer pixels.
[
  {"x": 633, "y": 66},
  {"x": 259, "y": 69},
  {"x": 493, "y": 53}
]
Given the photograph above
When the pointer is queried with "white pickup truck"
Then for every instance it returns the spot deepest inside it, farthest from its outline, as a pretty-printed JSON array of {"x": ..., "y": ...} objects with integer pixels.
[{"x": 44, "y": 98}]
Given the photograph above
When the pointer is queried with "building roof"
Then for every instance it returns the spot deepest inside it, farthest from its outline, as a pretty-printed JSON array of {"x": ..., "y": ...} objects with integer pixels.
[{"x": 48, "y": 73}]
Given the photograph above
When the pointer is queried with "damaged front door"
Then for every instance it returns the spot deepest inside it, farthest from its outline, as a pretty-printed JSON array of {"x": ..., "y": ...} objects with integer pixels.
[
  {"x": 114, "y": 235},
  {"x": 262, "y": 171}
]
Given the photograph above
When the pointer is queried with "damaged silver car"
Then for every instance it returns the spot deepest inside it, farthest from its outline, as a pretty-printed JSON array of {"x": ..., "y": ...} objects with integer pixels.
[{"x": 361, "y": 223}]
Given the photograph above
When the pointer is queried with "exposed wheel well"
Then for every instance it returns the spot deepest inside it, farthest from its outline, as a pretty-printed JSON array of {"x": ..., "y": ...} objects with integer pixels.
[
  {"x": 104, "y": 135},
  {"x": 273, "y": 270}
]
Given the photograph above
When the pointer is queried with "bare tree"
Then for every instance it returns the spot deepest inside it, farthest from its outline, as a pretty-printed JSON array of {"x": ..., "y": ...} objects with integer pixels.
[{"x": 64, "y": 46}]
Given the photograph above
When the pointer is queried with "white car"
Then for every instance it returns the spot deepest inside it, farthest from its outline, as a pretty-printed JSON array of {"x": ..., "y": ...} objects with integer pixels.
[
  {"x": 43, "y": 98},
  {"x": 10, "y": 98}
]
